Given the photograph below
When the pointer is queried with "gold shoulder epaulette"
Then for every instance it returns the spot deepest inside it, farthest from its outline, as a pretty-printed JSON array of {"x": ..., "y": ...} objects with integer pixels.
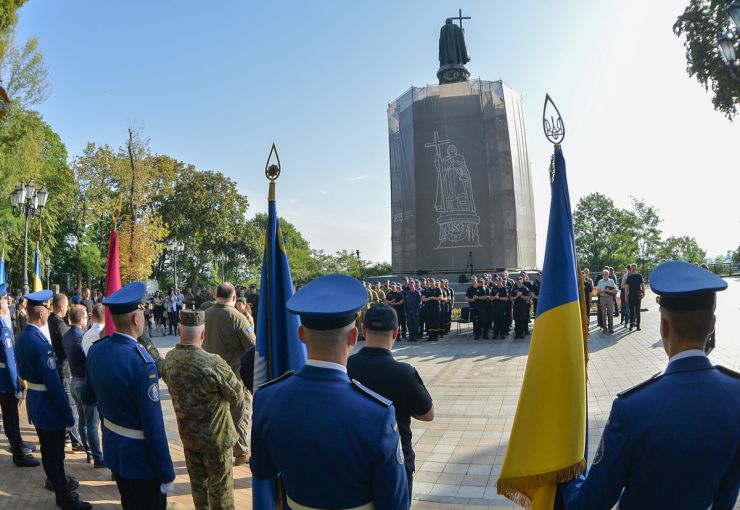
[{"x": 636, "y": 387}]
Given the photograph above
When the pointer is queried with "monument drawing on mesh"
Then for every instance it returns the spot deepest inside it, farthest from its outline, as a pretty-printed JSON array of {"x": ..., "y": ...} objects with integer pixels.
[{"x": 455, "y": 205}]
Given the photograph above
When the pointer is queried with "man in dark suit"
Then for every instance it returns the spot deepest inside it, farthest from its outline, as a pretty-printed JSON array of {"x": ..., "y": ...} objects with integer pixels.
[{"x": 671, "y": 441}]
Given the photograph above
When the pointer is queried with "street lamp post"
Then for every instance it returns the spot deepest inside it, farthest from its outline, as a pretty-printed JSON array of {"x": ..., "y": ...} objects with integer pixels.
[
  {"x": 222, "y": 259},
  {"x": 26, "y": 200},
  {"x": 727, "y": 43},
  {"x": 174, "y": 246},
  {"x": 48, "y": 272}
]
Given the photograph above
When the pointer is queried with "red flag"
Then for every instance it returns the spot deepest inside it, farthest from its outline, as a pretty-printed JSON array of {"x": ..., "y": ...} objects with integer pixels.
[{"x": 112, "y": 278}]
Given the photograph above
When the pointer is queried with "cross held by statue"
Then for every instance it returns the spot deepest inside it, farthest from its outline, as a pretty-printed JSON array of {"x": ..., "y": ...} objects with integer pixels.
[{"x": 460, "y": 17}]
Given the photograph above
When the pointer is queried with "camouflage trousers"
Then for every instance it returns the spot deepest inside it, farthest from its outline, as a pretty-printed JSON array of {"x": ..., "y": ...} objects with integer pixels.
[
  {"x": 211, "y": 479},
  {"x": 241, "y": 414}
]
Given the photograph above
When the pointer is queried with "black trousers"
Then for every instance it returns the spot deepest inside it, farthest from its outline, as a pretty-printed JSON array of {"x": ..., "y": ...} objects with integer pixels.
[
  {"x": 52, "y": 457},
  {"x": 401, "y": 312},
  {"x": 140, "y": 494},
  {"x": 634, "y": 302},
  {"x": 481, "y": 324},
  {"x": 521, "y": 317},
  {"x": 433, "y": 317},
  {"x": 11, "y": 421},
  {"x": 500, "y": 319},
  {"x": 410, "y": 475}
]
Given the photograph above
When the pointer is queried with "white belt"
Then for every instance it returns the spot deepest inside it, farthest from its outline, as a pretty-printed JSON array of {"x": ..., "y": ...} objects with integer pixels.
[
  {"x": 297, "y": 506},
  {"x": 36, "y": 387},
  {"x": 123, "y": 431},
  {"x": 3, "y": 365}
]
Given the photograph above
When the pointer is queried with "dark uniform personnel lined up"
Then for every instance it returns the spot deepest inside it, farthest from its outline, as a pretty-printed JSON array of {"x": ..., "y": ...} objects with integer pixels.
[
  {"x": 334, "y": 442},
  {"x": 399, "y": 382}
]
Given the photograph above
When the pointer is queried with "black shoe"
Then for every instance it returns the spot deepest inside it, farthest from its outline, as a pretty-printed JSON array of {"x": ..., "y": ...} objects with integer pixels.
[
  {"x": 99, "y": 464},
  {"x": 476, "y": 337},
  {"x": 630, "y": 328},
  {"x": 638, "y": 328},
  {"x": 71, "y": 501},
  {"x": 72, "y": 484},
  {"x": 89, "y": 458},
  {"x": 486, "y": 338},
  {"x": 25, "y": 460}
]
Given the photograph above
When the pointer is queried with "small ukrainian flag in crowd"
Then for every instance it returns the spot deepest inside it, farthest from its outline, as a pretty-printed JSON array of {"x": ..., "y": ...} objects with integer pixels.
[
  {"x": 548, "y": 437},
  {"x": 3, "y": 278},
  {"x": 38, "y": 280}
]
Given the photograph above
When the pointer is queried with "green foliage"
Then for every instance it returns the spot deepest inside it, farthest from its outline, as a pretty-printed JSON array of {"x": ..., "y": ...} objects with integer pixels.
[
  {"x": 24, "y": 73},
  {"x": 207, "y": 213},
  {"x": 736, "y": 256},
  {"x": 8, "y": 18},
  {"x": 609, "y": 236},
  {"x": 681, "y": 248},
  {"x": 604, "y": 234},
  {"x": 700, "y": 25}
]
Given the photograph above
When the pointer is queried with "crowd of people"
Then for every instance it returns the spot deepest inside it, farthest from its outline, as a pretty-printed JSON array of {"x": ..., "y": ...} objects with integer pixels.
[{"x": 611, "y": 291}]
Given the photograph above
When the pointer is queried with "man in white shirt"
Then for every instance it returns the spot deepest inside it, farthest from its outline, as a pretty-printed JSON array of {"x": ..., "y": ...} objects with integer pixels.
[{"x": 93, "y": 334}]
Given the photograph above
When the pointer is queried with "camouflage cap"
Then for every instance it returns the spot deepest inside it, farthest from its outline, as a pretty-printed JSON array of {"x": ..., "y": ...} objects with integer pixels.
[
  {"x": 192, "y": 317},
  {"x": 241, "y": 300}
]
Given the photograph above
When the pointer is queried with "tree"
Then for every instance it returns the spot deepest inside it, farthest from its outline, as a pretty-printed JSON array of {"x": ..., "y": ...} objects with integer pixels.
[
  {"x": 736, "y": 256},
  {"x": 645, "y": 225},
  {"x": 8, "y": 18},
  {"x": 604, "y": 233},
  {"x": 207, "y": 213},
  {"x": 683, "y": 248},
  {"x": 24, "y": 73},
  {"x": 701, "y": 23}
]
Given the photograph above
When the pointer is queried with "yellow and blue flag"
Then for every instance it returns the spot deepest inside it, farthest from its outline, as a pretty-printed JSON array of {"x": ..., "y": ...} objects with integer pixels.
[
  {"x": 38, "y": 280},
  {"x": 548, "y": 437},
  {"x": 3, "y": 277},
  {"x": 278, "y": 347}
]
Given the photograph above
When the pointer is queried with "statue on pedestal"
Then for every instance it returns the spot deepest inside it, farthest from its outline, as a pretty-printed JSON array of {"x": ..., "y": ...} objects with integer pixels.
[{"x": 453, "y": 53}]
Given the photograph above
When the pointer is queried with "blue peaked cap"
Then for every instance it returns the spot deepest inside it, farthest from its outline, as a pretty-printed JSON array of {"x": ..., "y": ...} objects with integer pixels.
[
  {"x": 39, "y": 298},
  {"x": 684, "y": 286},
  {"x": 328, "y": 302},
  {"x": 126, "y": 299}
]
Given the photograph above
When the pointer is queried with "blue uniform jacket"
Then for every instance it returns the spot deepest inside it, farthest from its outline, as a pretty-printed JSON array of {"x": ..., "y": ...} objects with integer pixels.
[
  {"x": 672, "y": 443},
  {"x": 123, "y": 379},
  {"x": 412, "y": 301},
  {"x": 37, "y": 364},
  {"x": 8, "y": 367},
  {"x": 335, "y": 444}
]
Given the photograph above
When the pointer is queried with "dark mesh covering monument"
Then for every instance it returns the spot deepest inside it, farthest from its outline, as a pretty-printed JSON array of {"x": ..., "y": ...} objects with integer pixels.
[{"x": 461, "y": 190}]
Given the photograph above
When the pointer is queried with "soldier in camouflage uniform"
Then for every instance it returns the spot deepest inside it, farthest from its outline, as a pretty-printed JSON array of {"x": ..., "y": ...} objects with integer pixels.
[{"x": 202, "y": 387}]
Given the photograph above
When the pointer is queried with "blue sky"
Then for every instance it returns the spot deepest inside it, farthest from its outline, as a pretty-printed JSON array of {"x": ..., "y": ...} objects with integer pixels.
[{"x": 214, "y": 84}]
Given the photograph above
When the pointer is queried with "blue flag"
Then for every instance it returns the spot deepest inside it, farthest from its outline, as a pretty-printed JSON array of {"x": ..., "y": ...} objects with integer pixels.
[{"x": 278, "y": 347}]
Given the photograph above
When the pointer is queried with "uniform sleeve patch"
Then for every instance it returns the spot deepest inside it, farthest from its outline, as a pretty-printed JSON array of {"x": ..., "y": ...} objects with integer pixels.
[
  {"x": 250, "y": 329},
  {"x": 399, "y": 453},
  {"x": 153, "y": 392},
  {"x": 599, "y": 452},
  {"x": 51, "y": 363},
  {"x": 152, "y": 376},
  {"x": 8, "y": 343}
]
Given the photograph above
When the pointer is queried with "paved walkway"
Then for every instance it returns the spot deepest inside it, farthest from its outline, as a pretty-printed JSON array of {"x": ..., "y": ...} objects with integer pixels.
[{"x": 475, "y": 386}]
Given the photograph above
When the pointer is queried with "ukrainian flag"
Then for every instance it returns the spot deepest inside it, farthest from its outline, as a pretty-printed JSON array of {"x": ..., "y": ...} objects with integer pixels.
[
  {"x": 38, "y": 280},
  {"x": 278, "y": 347},
  {"x": 548, "y": 437}
]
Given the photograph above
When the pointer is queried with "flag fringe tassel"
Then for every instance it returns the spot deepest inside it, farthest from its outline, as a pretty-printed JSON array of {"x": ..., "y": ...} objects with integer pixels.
[{"x": 513, "y": 488}]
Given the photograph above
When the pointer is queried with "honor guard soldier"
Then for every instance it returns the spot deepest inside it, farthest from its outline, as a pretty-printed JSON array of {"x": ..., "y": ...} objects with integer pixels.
[
  {"x": 123, "y": 379},
  {"x": 501, "y": 302},
  {"x": 11, "y": 392},
  {"x": 671, "y": 441},
  {"x": 412, "y": 303},
  {"x": 48, "y": 405},
  {"x": 333, "y": 442}
]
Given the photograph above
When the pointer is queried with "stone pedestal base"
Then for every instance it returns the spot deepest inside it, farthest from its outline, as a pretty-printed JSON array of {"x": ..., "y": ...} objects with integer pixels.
[{"x": 452, "y": 73}]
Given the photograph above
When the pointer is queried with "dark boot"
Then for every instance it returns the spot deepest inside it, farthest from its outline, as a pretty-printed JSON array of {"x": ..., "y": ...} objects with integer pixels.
[
  {"x": 69, "y": 500},
  {"x": 72, "y": 484},
  {"x": 23, "y": 459}
]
